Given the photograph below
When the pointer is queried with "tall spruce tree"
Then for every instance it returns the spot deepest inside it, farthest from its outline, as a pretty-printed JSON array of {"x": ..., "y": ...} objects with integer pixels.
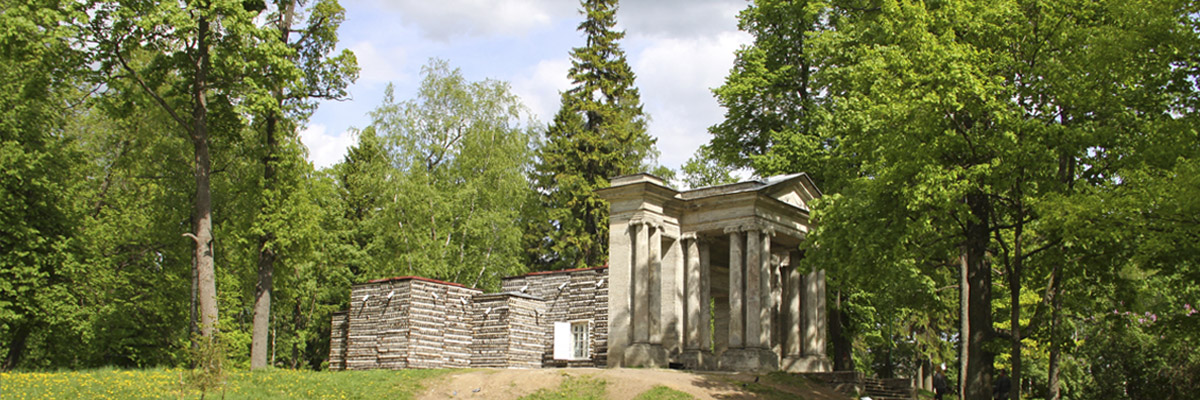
[{"x": 598, "y": 133}]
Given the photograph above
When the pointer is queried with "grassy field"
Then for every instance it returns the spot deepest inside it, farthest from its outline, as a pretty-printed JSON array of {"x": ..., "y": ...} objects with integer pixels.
[
  {"x": 169, "y": 384},
  {"x": 383, "y": 384},
  {"x": 265, "y": 384}
]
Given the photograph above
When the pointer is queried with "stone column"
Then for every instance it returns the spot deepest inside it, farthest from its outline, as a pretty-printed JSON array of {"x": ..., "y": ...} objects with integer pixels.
[
  {"x": 766, "y": 292},
  {"x": 698, "y": 346},
  {"x": 646, "y": 301},
  {"x": 656, "y": 284},
  {"x": 754, "y": 289},
  {"x": 811, "y": 316},
  {"x": 779, "y": 315},
  {"x": 793, "y": 312},
  {"x": 673, "y": 300},
  {"x": 705, "y": 296},
  {"x": 753, "y": 354},
  {"x": 641, "y": 280},
  {"x": 820, "y": 315},
  {"x": 620, "y": 295},
  {"x": 692, "y": 277},
  {"x": 737, "y": 323}
]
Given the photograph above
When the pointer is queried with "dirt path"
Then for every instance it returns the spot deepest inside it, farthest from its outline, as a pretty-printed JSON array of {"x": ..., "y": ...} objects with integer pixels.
[{"x": 508, "y": 384}]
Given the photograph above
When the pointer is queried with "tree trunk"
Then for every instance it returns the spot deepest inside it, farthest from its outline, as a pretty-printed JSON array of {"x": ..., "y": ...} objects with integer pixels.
[
  {"x": 260, "y": 331},
  {"x": 889, "y": 369},
  {"x": 926, "y": 378},
  {"x": 195, "y": 304},
  {"x": 205, "y": 268},
  {"x": 965, "y": 324},
  {"x": 1066, "y": 175},
  {"x": 1052, "y": 386},
  {"x": 266, "y": 263},
  {"x": 16, "y": 348},
  {"x": 977, "y": 379},
  {"x": 843, "y": 354},
  {"x": 262, "y": 300},
  {"x": 1014, "y": 285}
]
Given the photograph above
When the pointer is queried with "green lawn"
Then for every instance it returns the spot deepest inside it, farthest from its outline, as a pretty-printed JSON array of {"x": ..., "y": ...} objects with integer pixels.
[
  {"x": 664, "y": 393},
  {"x": 573, "y": 387},
  {"x": 166, "y": 384},
  {"x": 268, "y": 384}
]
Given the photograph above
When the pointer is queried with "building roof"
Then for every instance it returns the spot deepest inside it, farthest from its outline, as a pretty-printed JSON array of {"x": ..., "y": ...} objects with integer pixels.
[
  {"x": 561, "y": 271},
  {"x": 419, "y": 278},
  {"x": 753, "y": 185}
]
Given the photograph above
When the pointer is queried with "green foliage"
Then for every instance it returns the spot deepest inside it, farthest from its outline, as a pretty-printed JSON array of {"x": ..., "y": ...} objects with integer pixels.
[
  {"x": 286, "y": 226},
  {"x": 438, "y": 191},
  {"x": 703, "y": 169},
  {"x": 773, "y": 119},
  {"x": 1126, "y": 355},
  {"x": 208, "y": 359},
  {"x": 39, "y": 196},
  {"x": 598, "y": 133},
  {"x": 1050, "y": 140}
]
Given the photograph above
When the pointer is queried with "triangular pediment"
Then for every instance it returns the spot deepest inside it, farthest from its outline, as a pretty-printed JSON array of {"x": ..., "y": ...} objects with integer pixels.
[{"x": 797, "y": 190}]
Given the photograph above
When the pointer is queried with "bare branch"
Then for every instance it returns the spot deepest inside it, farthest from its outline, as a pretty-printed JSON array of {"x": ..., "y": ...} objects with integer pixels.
[{"x": 161, "y": 102}]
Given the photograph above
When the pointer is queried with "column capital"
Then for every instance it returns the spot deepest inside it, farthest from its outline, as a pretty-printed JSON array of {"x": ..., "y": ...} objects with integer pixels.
[
  {"x": 739, "y": 228},
  {"x": 764, "y": 228},
  {"x": 648, "y": 221}
]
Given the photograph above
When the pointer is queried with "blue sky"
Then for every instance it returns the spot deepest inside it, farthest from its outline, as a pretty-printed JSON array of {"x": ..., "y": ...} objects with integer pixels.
[{"x": 679, "y": 50}]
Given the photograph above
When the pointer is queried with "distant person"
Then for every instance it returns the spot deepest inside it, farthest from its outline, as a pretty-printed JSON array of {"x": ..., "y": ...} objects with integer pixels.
[
  {"x": 1002, "y": 386},
  {"x": 940, "y": 386}
]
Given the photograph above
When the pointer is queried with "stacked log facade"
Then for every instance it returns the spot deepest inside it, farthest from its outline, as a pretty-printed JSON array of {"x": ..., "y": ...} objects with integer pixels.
[
  {"x": 570, "y": 296},
  {"x": 405, "y": 322},
  {"x": 337, "y": 340},
  {"x": 507, "y": 331},
  {"x": 413, "y": 322}
]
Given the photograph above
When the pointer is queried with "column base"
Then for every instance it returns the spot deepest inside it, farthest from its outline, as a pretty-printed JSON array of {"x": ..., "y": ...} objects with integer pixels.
[
  {"x": 803, "y": 364},
  {"x": 746, "y": 360},
  {"x": 645, "y": 355},
  {"x": 701, "y": 360}
]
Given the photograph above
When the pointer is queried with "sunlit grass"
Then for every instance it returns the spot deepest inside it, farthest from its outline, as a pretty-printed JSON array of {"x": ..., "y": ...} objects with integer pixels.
[
  {"x": 661, "y": 392},
  {"x": 168, "y": 384},
  {"x": 572, "y": 387}
]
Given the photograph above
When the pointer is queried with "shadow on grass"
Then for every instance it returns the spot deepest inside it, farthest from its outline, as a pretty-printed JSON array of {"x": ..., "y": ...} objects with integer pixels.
[{"x": 771, "y": 386}]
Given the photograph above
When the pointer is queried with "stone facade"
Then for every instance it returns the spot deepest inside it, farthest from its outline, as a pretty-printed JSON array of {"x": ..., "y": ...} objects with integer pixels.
[
  {"x": 675, "y": 254},
  {"x": 704, "y": 278}
]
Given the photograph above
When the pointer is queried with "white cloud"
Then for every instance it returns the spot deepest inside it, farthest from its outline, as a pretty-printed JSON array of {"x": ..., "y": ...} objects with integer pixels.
[
  {"x": 378, "y": 66},
  {"x": 675, "y": 76},
  {"x": 325, "y": 150},
  {"x": 679, "y": 18},
  {"x": 540, "y": 85},
  {"x": 443, "y": 20},
  {"x": 678, "y": 48}
]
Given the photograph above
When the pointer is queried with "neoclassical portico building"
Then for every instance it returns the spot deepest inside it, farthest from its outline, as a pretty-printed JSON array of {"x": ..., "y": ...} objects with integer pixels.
[{"x": 707, "y": 277}]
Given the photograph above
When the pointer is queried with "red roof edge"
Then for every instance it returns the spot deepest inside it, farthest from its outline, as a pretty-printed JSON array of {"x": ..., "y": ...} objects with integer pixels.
[
  {"x": 558, "y": 271},
  {"x": 419, "y": 278}
]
